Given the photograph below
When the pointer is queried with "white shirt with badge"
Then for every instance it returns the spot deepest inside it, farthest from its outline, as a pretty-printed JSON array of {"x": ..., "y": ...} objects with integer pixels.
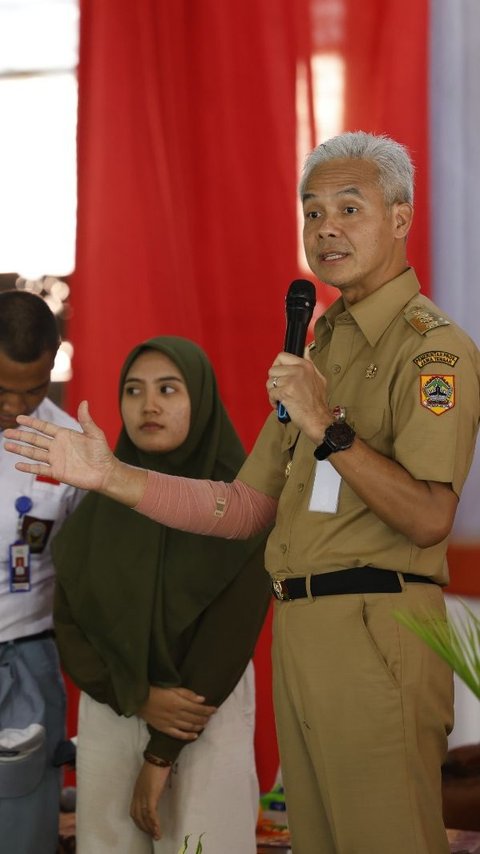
[{"x": 26, "y": 568}]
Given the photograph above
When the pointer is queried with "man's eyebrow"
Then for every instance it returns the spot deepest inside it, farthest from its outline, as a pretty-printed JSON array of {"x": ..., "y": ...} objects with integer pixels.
[{"x": 345, "y": 191}]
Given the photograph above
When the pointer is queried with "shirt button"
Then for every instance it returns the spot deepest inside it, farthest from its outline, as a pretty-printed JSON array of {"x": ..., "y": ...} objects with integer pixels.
[
  {"x": 283, "y": 547},
  {"x": 336, "y": 369},
  {"x": 301, "y": 487}
]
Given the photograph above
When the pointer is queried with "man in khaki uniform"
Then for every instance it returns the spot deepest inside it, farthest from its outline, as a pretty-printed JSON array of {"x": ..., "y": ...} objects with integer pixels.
[
  {"x": 358, "y": 695},
  {"x": 363, "y": 485},
  {"x": 363, "y": 708}
]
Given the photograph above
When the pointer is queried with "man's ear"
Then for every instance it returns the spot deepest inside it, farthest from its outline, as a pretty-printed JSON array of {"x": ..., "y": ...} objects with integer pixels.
[{"x": 402, "y": 219}]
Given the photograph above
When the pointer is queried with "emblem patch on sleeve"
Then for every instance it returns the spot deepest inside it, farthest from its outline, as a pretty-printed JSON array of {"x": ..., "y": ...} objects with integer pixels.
[
  {"x": 436, "y": 356},
  {"x": 437, "y": 393}
]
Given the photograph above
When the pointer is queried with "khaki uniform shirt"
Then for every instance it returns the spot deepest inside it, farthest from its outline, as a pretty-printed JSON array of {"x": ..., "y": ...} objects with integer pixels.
[{"x": 409, "y": 380}]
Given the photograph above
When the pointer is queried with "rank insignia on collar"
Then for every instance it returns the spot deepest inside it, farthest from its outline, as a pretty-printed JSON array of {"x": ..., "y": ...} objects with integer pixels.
[
  {"x": 423, "y": 320},
  {"x": 437, "y": 393},
  {"x": 435, "y": 356}
]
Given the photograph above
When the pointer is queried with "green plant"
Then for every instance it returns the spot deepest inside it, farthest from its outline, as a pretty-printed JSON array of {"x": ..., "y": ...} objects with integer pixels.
[
  {"x": 458, "y": 643},
  {"x": 199, "y": 847}
]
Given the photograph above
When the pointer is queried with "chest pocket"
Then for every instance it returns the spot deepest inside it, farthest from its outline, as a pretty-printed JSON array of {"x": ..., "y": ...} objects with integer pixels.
[{"x": 370, "y": 424}]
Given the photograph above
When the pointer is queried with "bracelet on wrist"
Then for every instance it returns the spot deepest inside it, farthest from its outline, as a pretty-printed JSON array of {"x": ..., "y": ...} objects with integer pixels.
[{"x": 157, "y": 760}]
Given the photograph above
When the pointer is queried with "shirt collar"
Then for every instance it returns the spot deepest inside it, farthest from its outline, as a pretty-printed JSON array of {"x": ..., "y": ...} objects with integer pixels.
[{"x": 374, "y": 313}]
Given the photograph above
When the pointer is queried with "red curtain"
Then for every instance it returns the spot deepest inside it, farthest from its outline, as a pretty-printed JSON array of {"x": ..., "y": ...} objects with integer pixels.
[
  {"x": 186, "y": 207},
  {"x": 386, "y": 48},
  {"x": 187, "y": 187}
]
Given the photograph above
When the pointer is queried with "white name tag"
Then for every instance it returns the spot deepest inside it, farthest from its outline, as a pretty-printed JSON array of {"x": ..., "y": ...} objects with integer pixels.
[{"x": 326, "y": 488}]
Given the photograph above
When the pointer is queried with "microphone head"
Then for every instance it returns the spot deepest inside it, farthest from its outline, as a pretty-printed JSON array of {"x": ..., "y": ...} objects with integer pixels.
[
  {"x": 299, "y": 303},
  {"x": 301, "y": 296}
]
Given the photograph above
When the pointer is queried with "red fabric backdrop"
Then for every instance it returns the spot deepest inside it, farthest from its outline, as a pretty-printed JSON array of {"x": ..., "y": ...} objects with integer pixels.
[
  {"x": 387, "y": 92},
  {"x": 187, "y": 187},
  {"x": 186, "y": 207}
]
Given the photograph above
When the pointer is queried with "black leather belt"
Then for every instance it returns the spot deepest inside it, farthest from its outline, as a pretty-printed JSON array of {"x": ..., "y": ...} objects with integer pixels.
[
  {"x": 48, "y": 633},
  {"x": 358, "y": 579}
]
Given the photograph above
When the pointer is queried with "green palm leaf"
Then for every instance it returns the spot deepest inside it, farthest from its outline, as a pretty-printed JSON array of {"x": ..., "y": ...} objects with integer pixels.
[
  {"x": 199, "y": 848},
  {"x": 458, "y": 643}
]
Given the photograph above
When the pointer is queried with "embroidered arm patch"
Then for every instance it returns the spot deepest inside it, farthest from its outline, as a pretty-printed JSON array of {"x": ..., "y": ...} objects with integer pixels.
[
  {"x": 437, "y": 393},
  {"x": 436, "y": 356}
]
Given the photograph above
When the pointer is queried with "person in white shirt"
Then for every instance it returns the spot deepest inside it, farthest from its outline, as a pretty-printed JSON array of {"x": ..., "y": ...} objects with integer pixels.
[{"x": 32, "y": 509}]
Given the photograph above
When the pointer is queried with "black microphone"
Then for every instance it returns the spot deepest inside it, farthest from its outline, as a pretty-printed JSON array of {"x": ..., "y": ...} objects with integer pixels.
[{"x": 299, "y": 305}]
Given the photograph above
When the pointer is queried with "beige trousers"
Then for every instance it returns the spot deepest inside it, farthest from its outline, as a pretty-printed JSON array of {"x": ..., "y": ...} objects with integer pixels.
[
  {"x": 363, "y": 709},
  {"x": 213, "y": 789}
]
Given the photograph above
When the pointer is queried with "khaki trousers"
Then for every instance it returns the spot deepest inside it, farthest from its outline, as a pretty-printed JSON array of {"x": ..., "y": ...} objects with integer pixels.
[{"x": 363, "y": 709}]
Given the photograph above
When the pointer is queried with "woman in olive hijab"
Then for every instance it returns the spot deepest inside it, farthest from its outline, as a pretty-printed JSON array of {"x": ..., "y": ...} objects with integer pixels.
[{"x": 157, "y": 627}]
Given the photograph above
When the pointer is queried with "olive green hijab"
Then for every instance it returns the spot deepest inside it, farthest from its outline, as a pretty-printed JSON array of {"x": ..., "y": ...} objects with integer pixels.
[{"x": 136, "y": 588}]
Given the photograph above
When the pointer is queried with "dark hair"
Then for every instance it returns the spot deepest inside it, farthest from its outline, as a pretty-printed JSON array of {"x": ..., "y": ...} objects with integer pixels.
[{"x": 28, "y": 328}]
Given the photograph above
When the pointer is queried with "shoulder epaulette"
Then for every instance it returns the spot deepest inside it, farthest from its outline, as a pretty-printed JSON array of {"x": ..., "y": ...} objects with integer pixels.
[{"x": 423, "y": 320}]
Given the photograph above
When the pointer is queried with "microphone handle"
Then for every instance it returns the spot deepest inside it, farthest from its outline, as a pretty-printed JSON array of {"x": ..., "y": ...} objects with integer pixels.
[{"x": 295, "y": 337}]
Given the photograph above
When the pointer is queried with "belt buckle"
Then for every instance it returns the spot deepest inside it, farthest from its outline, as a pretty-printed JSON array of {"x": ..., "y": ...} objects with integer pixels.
[{"x": 280, "y": 590}]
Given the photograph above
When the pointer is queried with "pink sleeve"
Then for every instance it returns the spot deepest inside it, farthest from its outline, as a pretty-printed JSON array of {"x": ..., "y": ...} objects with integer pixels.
[{"x": 231, "y": 510}]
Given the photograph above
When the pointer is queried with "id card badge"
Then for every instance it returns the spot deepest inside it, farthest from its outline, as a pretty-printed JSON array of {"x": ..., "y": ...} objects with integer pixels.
[
  {"x": 19, "y": 551},
  {"x": 19, "y": 568},
  {"x": 326, "y": 488}
]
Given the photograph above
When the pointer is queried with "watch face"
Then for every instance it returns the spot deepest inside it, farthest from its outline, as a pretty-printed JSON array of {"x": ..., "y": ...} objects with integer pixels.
[{"x": 340, "y": 435}]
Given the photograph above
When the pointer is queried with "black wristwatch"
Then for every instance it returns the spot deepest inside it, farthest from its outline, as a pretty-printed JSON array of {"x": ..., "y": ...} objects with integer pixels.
[{"x": 338, "y": 437}]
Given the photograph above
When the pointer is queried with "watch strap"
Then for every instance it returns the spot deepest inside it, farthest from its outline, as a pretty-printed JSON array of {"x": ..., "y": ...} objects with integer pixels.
[{"x": 322, "y": 451}]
